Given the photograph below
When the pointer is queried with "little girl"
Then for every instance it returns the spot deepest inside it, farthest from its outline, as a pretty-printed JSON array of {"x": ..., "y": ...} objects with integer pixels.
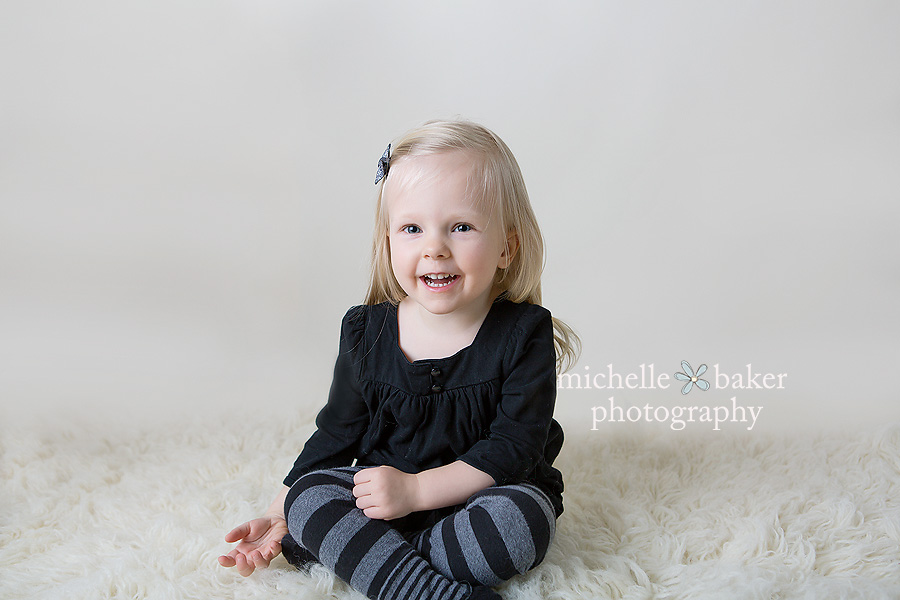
[{"x": 430, "y": 474}]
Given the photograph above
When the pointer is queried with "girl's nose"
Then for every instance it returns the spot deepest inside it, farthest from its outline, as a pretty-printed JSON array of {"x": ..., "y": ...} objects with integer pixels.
[{"x": 436, "y": 247}]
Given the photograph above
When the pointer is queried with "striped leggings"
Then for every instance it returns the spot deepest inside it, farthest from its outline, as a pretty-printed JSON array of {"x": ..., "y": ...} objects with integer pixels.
[{"x": 500, "y": 532}]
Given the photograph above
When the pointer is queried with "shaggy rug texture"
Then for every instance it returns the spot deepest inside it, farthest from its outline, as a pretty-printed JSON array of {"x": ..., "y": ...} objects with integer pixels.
[{"x": 138, "y": 513}]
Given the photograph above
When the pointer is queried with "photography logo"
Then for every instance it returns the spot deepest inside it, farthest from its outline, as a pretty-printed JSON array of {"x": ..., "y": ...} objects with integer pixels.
[
  {"x": 691, "y": 377},
  {"x": 678, "y": 416}
]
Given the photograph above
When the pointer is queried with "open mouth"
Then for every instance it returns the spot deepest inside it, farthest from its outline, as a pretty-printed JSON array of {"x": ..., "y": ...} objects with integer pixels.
[{"x": 438, "y": 280}]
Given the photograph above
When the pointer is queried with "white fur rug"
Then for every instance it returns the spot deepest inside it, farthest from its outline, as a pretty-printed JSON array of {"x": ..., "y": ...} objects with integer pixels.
[{"x": 141, "y": 514}]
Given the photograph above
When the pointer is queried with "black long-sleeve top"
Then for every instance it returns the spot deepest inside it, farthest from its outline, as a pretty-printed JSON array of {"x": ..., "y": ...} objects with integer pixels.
[{"x": 489, "y": 405}]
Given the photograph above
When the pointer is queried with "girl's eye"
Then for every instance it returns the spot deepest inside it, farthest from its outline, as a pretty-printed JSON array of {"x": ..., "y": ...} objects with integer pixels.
[
  {"x": 463, "y": 227},
  {"x": 411, "y": 229}
]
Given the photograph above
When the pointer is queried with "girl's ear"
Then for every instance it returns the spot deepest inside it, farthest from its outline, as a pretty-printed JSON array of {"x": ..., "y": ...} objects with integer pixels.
[{"x": 509, "y": 252}]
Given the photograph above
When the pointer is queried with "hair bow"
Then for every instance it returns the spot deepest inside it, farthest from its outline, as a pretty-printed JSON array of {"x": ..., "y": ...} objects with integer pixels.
[{"x": 384, "y": 163}]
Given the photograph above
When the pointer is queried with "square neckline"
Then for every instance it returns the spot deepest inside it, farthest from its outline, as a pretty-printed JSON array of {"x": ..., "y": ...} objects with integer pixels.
[{"x": 395, "y": 331}]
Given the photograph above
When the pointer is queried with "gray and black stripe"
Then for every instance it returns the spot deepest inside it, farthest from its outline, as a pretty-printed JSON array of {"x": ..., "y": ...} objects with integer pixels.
[{"x": 500, "y": 532}]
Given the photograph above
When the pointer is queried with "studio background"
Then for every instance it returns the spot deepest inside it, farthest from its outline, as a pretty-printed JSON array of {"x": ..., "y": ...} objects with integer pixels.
[{"x": 187, "y": 194}]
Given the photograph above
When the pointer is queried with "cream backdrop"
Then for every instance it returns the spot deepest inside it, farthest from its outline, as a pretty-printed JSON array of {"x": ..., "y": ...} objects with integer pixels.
[{"x": 187, "y": 193}]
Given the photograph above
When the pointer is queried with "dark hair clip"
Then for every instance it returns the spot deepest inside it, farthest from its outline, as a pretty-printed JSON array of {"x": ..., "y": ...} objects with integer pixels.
[{"x": 384, "y": 163}]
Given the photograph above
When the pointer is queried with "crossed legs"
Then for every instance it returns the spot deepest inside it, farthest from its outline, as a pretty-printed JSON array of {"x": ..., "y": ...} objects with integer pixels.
[{"x": 500, "y": 532}]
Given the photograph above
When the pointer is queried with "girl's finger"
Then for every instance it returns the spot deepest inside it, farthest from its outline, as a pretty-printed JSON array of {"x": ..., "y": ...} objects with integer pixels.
[
  {"x": 364, "y": 502},
  {"x": 226, "y": 561},
  {"x": 373, "y": 513},
  {"x": 240, "y": 563},
  {"x": 238, "y": 533},
  {"x": 244, "y": 567},
  {"x": 270, "y": 551},
  {"x": 231, "y": 557},
  {"x": 254, "y": 558}
]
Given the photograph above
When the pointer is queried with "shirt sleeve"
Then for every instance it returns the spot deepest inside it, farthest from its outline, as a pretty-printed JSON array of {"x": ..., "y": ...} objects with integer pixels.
[
  {"x": 344, "y": 419},
  {"x": 518, "y": 434}
]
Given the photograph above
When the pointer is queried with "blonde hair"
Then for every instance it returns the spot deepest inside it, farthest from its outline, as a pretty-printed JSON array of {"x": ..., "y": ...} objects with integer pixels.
[{"x": 499, "y": 184}]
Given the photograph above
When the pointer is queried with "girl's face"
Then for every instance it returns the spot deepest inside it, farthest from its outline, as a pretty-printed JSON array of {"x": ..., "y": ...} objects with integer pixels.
[{"x": 445, "y": 250}]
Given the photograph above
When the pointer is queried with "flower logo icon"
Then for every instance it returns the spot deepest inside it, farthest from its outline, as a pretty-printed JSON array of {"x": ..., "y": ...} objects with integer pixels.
[{"x": 691, "y": 377}]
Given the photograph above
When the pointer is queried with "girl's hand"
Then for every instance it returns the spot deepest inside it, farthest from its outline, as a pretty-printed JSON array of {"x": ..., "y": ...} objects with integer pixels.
[
  {"x": 260, "y": 542},
  {"x": 385, "y": 492}
]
